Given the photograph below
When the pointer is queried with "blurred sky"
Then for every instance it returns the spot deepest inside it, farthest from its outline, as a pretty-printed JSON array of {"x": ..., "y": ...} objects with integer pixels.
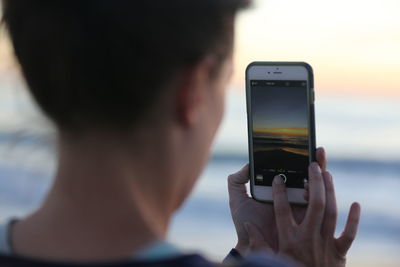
[
  {"x": 354, "y": 49},
  {"x": 353, "y": 46}
]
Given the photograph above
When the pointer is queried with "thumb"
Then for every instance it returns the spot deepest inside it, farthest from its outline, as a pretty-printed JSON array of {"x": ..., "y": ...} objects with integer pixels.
[
  {"x": 256, "y": 239},
  {"x": 237, "y": 187}
]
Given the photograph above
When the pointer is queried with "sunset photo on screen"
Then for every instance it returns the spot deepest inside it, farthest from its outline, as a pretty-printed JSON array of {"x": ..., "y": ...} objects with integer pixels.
[{"x": 280, "y": 133}]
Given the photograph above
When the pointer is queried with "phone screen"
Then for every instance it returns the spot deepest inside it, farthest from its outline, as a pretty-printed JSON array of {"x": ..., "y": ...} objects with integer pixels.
[{"x": 280, "y": 131}]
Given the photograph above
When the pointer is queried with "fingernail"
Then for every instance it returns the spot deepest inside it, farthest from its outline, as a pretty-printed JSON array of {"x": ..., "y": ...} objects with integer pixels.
[{"x": 278, "y": 179}]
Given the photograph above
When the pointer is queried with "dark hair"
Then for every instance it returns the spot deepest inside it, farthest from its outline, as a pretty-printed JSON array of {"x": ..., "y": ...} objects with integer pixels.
[{"x": 103, "y": 63}]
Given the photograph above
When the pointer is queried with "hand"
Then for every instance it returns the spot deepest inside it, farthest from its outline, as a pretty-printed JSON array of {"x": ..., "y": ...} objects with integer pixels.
[
  {"x": 312, "y": 241},
  {"x": 244, "y": 209}
]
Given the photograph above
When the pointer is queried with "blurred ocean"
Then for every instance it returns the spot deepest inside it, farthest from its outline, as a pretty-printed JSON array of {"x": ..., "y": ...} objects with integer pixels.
[{"x": 361, "y": 137}]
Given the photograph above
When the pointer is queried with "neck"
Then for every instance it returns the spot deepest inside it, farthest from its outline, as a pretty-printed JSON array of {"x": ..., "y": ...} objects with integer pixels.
[{"x": 103, "y": 194}]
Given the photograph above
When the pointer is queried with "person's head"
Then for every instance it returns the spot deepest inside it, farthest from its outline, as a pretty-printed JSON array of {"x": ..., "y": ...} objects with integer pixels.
[{"x": 123, "y": 66}]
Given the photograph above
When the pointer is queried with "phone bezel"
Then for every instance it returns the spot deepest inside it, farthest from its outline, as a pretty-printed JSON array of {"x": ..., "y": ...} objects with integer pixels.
[{"x": 288, "y": 71}]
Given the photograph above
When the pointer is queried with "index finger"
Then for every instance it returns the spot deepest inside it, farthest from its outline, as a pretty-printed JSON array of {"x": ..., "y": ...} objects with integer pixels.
[{"x": 283, "y": 212}]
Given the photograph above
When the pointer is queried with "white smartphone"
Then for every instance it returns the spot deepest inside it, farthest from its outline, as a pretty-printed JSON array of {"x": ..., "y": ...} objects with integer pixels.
[{"x": 281, "y": 127}]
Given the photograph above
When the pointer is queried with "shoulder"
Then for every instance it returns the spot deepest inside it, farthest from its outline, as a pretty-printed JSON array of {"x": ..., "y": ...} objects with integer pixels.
[
  {"x": 184, "y": 260},
  {"x": 195, "y": 260}
]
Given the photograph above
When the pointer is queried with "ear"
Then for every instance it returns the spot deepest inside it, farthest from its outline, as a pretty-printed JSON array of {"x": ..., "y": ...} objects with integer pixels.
[{"x": 192, "y": 90}]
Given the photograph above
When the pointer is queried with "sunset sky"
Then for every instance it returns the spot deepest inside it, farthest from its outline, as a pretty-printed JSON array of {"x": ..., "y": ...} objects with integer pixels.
[{"x": 353, "y": 45}]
